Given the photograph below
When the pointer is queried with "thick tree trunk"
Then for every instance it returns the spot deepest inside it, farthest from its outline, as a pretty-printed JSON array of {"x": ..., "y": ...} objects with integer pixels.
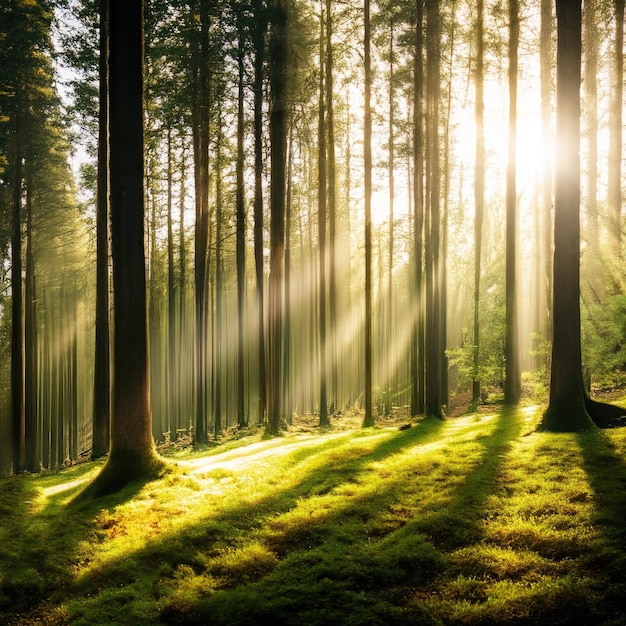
[
  {"x": 132, "y": 448},
  {"x": 566, "y": 411}
]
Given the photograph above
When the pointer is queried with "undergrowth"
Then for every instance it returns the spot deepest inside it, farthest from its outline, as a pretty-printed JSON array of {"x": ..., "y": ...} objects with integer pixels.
[{"x": 475, "y": 520}]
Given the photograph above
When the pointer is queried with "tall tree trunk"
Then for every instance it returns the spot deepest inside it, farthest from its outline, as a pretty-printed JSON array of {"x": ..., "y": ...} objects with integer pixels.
[
  {"x": 545, "y": 61},
  {"x": 367, "y": 154},
  {"x": 219, "y": 364},
  {"x": 566, "y": 411},
  {"x": 172, "y": 408},
  {"x": 278, "y": 140},
  {"x": 590, "y": 83},
  {"x": 132, "y": 447},
  {"x": 419, "y": 362},
  {"x": 321, "y": 217},
  {"x": 332, "y": 210},
  {"x": 17, "y": 318},
  {"x": 434, "y": 357},
  {"x": 479, "y": 191},
  {"x": 241, "y": 227},
  {"x": 102, "y": 359},
  {"x": 259, "y": 29},
  {"x": 31, "y": 431},
  {"x": 287, "y": 325},
  {"x": 615, "y": 136},
  {"x": 201, "y": 158},
  {"x": 391, "y": 369},
  {"x": 512, "y": 382}
]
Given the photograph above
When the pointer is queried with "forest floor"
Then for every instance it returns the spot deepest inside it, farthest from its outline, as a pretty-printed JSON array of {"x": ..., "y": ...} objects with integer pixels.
[{"x": 476, "y": 519}]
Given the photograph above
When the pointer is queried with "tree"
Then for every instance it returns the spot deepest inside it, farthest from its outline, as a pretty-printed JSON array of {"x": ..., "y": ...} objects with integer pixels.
[
  {"x": 512, "y": 382},
  {"x": 615, "y": 137},
  {"x": 200, "y": 121},
  {"x": 241, "y": 222},
  {"x": 132, "y": 448},
  {"x": 102, "y": 373},
  {"x": 418, "y": 345},
  {"x": 479, "y": 189},
  {"x": 367, "y": 155},
  {"x": 322, "y": 219},
  {"x": 566, "y": 410},
  {"x": 434, "y": 343},
  {"x": 278, "y": 63},
  {"x": 258, "y": 38}
]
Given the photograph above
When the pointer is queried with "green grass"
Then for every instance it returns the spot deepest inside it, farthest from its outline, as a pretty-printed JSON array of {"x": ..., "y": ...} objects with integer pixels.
[{"x": 475, "y": 520}]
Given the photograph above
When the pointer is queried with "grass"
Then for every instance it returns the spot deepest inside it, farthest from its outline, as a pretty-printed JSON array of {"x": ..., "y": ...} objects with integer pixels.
[{"x": 475, "y": 520}]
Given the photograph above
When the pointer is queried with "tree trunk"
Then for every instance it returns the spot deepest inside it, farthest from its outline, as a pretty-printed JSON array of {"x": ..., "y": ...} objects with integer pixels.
[
  {"x": 367, "y": 153},
  {"x": 17, "y": 318},
  {"x": 512, "y": 382},
  {"x": 278, "y": 139},
  {"x": 31, "y": 431},
  {"x": 615, "y": 136},
  {"x": 566, "y": 411},
  {"x": 102, "y": 358},
  {"x": 479, "y": 192},
  {"x": 219, "y": 364},
  {"x": 321, "y": 221},
  {"x": 433, "y": 287},
  {"x": 201, "y": 272},
  {"x": 241, "y": 228},
  {"x": 132, "y": 448},
  {"x": 259, "y": 59},
  {"x": 418, "y": 373},
  {"x": 332, "y": 211}
]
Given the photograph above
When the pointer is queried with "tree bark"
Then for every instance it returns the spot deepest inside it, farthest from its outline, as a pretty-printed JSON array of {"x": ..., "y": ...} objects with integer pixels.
[
  {"x": 278, "y": 139},
  {"x": 259, "y": 59},
  {"x": 241, "y": 226},
  {"x": 566, "y": 410},
  {"x": 132, "y": 448},
  {"x": 367, "y": 152},
  {"x": 102, "y": 358},
  {"x": 615, "y": 136},
  {"x": 512, "y": 382},
  {"x": 321, "y": 221},
  {"x": 479, "y": 192}
]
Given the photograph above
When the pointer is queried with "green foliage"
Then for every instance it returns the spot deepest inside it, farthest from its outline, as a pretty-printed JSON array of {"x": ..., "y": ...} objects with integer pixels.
[
  {"x": 477, "y": 520},
  {"x": 604, "y": 342}
]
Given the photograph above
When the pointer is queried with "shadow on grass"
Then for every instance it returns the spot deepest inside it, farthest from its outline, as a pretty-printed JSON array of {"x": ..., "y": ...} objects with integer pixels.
[
  {"x": 42, "y": 525},
  {"x": 345, "y": 541},
  {"x": 459, "y": 523},
  {"x": 606, "y": 471}
]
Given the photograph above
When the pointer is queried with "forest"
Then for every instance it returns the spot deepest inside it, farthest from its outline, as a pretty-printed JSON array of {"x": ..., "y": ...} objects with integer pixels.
[{"x": 312, "y": 312}]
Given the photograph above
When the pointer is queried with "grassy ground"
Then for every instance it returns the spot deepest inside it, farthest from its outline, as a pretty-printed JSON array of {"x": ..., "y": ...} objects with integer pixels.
[{"x": 475, "y": 520}]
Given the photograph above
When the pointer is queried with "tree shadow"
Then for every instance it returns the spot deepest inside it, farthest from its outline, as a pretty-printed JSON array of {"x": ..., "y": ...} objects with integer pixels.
[
  {"x": 47, "y": 518},
  {"x": 361, "y": 557},
  {"x": 460, "y": 522},
  {"x": 605, "y": 467}
]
